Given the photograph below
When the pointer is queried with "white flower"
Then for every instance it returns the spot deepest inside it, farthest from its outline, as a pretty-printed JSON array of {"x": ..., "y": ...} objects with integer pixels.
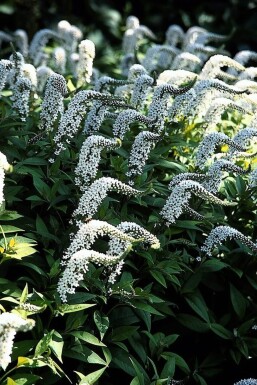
[
  {"x": 158, "y": 107},
  {"x": 218, "y": 107},
  {"x": 159, "y": 57},
  {"x": 242, "y": 138},
  {"x": 89, "y": 158},
  {"x": 97, "y": 191},
  {"x": 30, "y": 72},
  {"x": 141, "y": 86},
  {"x": 21, "y": 95},
  {"x": 52, "y": 105},
  {"x": 10, "y": 324},
  {"x": 73, "y": 116},
  {"x": 89, "y": 232},
  {"x": 21, "y": 41},
  {"x": 174, "y": 35},
  {"x": 185, "y": 176},
  {"x": 59, "y": 59},
  {"x": 4, "y": 166},
  {"x": 134, "y": 32},
  {"x": 71, "y": 36},
  {"x": 215, "y": 172},
  {"x": 77, "y": 266},
  {"x": 144, "y": 142},
  {"x": 5, "y": 68},
  {"x": 118, "y": 245},
  {"x": 210, "y": 142},
  {"x": 199, "y": 98},
  {"x": 106, "y": 81},
  {"x": 212, "y": 67},
  {"x": 43, "y": 73},
  {"x": 187, "y": 61},
  {"x": 248, "y": 381},
  {"x": 125, "y": 118},
  {"x": 38, "y": 42},
  {"x": 253, "y": 178},
  {"x": 85, "y": 63},
  {"x": 177, "y": 202},
  {"x": 220, "y": 234}
]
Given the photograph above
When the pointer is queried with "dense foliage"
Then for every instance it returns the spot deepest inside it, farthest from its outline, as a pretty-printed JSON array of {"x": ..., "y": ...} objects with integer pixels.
[{"x": 128, "y": 220}]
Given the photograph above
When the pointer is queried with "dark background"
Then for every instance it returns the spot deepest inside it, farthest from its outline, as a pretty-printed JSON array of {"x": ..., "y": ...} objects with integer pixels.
[{"x": 228, "y": 16}]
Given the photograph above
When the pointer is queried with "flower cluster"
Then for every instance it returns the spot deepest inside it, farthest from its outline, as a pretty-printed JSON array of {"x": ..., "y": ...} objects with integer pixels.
[
  {"x": 97, "y": 191},
  {"x": 21, "y": 95},
  {"x": 5, "y": 67},
  {"x": 59, "y": 59},
  {"x": 52, "y": 105},
  {"x": 217, "y": 108},
  {"x": 39, "y": 41},
  {"x": 248, "y": 381},
  {"x": 77, "y": 266},
  {"x": 242, "y": 138},
  {"x": 158, "y": 107},
  {"x": 141, "y": 87},
  {"x": 10, "y": 324},
  {"x": 85, "y": 63},
  {"x": 185, "y": 176},
  {"x": 89, "y": 232},
  {"x": 89, "y": 158},
  {"x": 127, "y": 117},
  {"x": 214, "y": 174},
  {"x": 73, "y": 116},
  {"x": 220, "y": 234},
  {"x": 210, "y": 142},
  {"x": 4, "y": 166},
  {"x": 144, "y": 142},
  {"x": 177, "y": 202},
  {"x": 212, "y": 67}
]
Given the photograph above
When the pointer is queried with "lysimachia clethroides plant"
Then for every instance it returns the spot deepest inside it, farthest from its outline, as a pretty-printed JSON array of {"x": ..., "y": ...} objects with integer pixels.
[{"x": 137, "y": 183}]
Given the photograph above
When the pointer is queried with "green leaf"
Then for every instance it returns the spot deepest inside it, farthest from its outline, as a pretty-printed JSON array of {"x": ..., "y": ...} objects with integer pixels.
[
  {"x": 199, "y": 379},
  {"x": 10, "y": 215},
  {"x": 144, "y": 306},
  {"x": 33, "y": 161},
  {"x": 158, "y": 276},
  {"x": 123, "y": 332},
  {"x": 56, "y": 345},
  {"x": 193, "y": 323},
  {"x": 197, "y": 303},
  {"x": 238, "y": 301},
  {"x": 87, "y": 337},
  {"x": 212, "y": 265},
  {"x": 24, "y": 294},
  {"x": 91, "y": 378},
  {"x": 180, "y": 362},
  {"x": 138, "y": 371},
  {"x": 25, "y": 379},
  {"x": 65, "y": 308},
  {"x": 43, "y": 344},
  {"x": 221, "y": 331},
  {"x": 102, "y": 323},
  {"x": 11, "y": 229},
  {"x": 169, "y": 368},
  {"x": 82, "y": 353}
]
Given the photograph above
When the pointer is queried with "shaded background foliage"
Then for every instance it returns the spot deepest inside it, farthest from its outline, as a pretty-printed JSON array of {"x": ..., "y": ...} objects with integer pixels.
[{"x": 224, "y": 16}]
